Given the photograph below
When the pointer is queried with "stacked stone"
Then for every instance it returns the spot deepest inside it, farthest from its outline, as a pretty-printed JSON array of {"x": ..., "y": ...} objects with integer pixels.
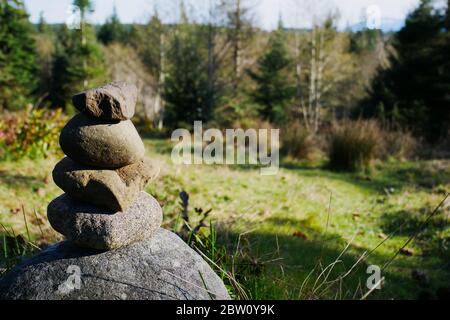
[
  {"x": 104, "y": 208},
  {"x": 104, "y": 174}
]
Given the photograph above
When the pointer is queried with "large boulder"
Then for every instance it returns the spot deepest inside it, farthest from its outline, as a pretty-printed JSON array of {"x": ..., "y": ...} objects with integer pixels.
[
  {"x": 101, "y": 143},
  {"x": 113, "y": 101},
  {"x": 162, "y": 268},
  {"x": 113, "y": 189},
  {"x": 98, "y": 228}
]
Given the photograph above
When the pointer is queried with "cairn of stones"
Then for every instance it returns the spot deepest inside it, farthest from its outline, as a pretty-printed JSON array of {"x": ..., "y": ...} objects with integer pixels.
[
  {"x": 104, "y": 174},
  {"x": 115, "y": 248}
]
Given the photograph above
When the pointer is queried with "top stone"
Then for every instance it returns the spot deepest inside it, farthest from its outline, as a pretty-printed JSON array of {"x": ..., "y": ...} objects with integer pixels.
[{"x": 113, "y": 101}]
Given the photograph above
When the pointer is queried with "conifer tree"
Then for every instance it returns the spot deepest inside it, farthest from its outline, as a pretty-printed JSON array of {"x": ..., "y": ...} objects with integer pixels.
[
  {"x": 414, "y": 90},
  {"x": 186, "y": 85},
  {"x": 78, "y": 62},
  {"x": 240, "y": 31},
  {"x": 273, "y": 89},
  {"x": 151, "y": 44},
  {"x": 42, "y": 25},
  {"x": 112, "y": 30},
  {"x": 45, "y": 47},
  {"x": 18, "y": 67}
]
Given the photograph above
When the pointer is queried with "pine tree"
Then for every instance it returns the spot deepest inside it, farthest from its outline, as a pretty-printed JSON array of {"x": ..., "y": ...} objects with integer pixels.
[
  {"x": 18, "y": 67},
  {"x": 112, "y": 30},
  {"x": 447, "y": 16},
  {"x": 45, "y": 47},
  {"x": 150, "y": 42},
  {"x": 78, "y": 62},
  {"x": 42, "y": 25},
  {"x": 414, "y": 90},
  {"x": 365, "y": 40},
  {"x": 215, "y": 87},
  {"x": 240, "y": 31},
  {"x": 273, "y": 89},
  {"x": 186, "y": 85}
]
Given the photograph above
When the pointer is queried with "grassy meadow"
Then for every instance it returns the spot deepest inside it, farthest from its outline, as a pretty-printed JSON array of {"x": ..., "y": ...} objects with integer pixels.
[
  {"x": 305, "y": 233},
  {"x": 362, "y": 108}
]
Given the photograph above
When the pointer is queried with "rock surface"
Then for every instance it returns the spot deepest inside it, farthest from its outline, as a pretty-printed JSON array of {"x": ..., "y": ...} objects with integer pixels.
[
  {"x": 100, "y": 143},
  {"x": 93, "y": 227},
  {"x": 113, "y": 189},
  {"x": 113, "y": 101},
  {"x": 162, "y": 268}
]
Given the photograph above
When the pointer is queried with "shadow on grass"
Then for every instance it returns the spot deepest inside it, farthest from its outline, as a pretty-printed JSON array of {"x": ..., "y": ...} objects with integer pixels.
[
  {"x": 398, "y": 175},
  {"x": 315, "y": 267},
  {"x": 433, "y": 237},
  {"x": 407, "y": 222},
  {"x": 387, "y": 175},
  {"x": 19, "y": 181},
  {"x": 423, "y": 174}
]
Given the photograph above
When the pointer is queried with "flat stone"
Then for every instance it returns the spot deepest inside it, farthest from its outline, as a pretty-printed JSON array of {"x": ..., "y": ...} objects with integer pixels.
[
  {"x": 113, "y": 189},
  {"x": 93, "y": 227},
  {"x": 162, "y": 268},
  {"x": 113, "y": 101},
  {"x": 100, "y": 143}
]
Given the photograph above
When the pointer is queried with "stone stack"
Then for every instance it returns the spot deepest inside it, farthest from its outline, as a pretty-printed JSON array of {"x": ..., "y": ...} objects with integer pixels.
[
  {"x": 104, "y": 174},
  {"x": 116, "y": 248}
]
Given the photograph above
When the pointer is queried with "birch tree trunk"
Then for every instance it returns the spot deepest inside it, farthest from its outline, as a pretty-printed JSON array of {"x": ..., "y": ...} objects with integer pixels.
[
  {"x": 313, "y": 77},
  {"x": 159, "y": 103},
  {"x": 211, "y": 63},
  {"x": 237, "y": 45},
  {"x": 320, "y": 70},
  {"x": 83, "y": 44},
  {"x": 298, "y": 73}
]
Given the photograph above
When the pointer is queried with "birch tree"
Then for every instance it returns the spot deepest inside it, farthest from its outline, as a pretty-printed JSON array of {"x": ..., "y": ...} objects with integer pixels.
[{"x": 322, "y": 61}]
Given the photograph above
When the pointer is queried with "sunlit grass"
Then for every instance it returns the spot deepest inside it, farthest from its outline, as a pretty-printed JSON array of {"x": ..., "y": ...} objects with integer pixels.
[{"x": 296, "y": 223}]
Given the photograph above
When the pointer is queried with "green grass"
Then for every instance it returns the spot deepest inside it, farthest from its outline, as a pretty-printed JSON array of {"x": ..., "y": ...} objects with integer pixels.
[{"x": 291, "y": 225}]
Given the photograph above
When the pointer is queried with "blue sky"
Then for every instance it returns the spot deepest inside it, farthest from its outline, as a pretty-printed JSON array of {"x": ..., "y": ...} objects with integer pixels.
[{"x": 266, "y": 12}]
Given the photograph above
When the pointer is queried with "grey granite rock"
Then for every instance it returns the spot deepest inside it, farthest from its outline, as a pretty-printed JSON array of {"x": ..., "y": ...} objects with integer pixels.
[
  {"x": 112, "y": 189},
  {"x": 113, "y": 101},
  {"x": 92, "y": 227},
  {"x": 162, "y": 268},
  {"x": 100, "y": 143}
]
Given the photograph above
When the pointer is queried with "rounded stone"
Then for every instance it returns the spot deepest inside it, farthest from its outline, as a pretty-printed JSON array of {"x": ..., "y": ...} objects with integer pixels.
[
  {"x": 93, "y": 227},
  {"x": 113, "y": 189},
  {"x": 113, "y": 101},
  {"x": 100, "y": 143},
  {"x": 162, "y": 268}
]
